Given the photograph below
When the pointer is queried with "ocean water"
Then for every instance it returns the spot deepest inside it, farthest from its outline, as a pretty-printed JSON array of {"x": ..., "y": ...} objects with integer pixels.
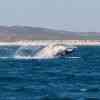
[{"x": 75, "y": 77}]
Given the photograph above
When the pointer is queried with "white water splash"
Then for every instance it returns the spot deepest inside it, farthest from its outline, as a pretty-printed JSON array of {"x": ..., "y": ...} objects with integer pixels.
[
  {"x": 74, "y": 57},
  {"x": 47, "y": 52}
]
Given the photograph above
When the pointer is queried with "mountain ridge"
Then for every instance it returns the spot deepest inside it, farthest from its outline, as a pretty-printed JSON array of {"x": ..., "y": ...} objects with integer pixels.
[
  {"x": 16, "y": 33},
  {"x": 30, "y": 33}
]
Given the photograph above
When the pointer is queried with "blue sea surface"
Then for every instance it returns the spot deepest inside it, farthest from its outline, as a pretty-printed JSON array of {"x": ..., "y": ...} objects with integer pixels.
[{"x": 75, "y": 77}]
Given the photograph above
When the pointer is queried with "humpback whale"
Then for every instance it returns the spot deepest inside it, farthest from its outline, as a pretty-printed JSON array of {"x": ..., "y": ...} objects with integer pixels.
[{"x": 55, "y": 51}]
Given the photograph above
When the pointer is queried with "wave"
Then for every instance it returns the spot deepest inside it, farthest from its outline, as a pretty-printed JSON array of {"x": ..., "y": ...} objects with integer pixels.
[
  {"x": 5, "y": 57},
  {"x": 33, "y": 58},
  {"x": 74, "y": 57}
]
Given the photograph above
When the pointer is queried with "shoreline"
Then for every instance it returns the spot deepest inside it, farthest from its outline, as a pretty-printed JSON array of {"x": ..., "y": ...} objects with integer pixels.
[{"x": 46, "y": 42}]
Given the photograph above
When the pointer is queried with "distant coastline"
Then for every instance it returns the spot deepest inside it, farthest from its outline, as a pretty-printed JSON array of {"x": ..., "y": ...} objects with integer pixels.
[
  {"x": 18, "y": 33},
  {"x": 46, "y": 42}
]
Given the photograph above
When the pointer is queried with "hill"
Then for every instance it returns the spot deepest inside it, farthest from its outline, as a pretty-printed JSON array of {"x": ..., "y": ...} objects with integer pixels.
[{"x": 15, "y": 33}]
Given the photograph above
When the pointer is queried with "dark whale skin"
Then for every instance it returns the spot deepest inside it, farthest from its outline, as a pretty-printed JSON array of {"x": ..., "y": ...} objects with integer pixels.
[{"x": 63, "y": 53}]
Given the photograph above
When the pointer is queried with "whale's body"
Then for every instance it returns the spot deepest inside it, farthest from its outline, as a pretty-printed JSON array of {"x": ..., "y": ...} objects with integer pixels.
[{"x": 54, "y": 51}]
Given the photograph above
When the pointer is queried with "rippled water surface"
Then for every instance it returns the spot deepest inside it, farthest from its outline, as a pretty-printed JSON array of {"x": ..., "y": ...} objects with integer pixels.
[{"x": 76, "y": 77}]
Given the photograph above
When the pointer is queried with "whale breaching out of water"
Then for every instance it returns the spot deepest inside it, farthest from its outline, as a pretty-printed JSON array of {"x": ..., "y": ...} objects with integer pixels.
[{"x": 47, "y": 52}]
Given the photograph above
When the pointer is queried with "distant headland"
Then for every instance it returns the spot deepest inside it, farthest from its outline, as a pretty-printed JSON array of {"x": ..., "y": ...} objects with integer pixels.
[{"x": 22, "y": 33}]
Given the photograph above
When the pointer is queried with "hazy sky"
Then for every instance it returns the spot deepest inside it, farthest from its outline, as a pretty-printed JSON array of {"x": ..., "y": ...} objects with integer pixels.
[{"x": 75, "y": 15}]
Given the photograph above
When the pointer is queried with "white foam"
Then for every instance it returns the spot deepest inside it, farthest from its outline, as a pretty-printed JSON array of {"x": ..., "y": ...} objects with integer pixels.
[
  {"x": 26, "y": 58},
  {"x": 5, "y": 57},
  {"x": 74, "y": 57},
  {"x": 29, "y": 58}
]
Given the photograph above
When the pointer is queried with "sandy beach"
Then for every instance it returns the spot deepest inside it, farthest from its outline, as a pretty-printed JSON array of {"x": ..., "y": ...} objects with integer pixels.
[{"x": 46, "y": 42}]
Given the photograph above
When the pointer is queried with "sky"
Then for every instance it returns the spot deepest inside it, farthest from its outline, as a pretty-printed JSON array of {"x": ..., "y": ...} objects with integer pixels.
[{"x": 71, "y": 15}]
